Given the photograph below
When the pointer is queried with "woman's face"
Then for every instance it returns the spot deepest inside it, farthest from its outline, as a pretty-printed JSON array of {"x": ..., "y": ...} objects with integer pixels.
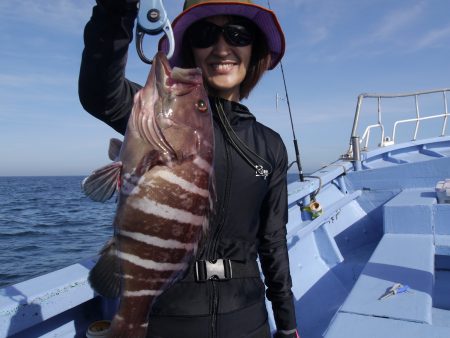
[{"x": 224, "y": 66}]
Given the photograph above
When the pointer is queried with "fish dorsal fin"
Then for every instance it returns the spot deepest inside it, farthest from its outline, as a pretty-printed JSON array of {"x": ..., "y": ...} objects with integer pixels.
[
  {"x": 114, "y": 149},
  {"x": 105, "y": 275},
  {"x": 102, "y": 183}
]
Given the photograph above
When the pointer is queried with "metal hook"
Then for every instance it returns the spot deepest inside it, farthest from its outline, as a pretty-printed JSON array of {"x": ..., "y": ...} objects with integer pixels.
[{"x": 152, "y": 19}]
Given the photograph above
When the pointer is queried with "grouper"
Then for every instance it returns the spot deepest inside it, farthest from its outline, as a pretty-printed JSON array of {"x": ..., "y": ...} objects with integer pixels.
[{"x": 163, "y": 172}]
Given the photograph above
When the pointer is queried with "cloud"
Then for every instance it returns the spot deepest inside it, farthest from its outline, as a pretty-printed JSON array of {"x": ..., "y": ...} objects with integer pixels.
[
  {"x": 390, "y": 31},
  {"x": 318, "y": 27},
  {"x": 64, "y": 15},
  {"x": 314, "y": 19},
  {"x": 406, "y": 31},
  {"x": 397, "y": 20},
  {"x": 433, "y": 38}
]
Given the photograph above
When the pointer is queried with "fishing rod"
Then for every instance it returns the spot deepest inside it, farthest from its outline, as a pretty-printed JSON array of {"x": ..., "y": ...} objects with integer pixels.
[{"x": 297, "y": 152}]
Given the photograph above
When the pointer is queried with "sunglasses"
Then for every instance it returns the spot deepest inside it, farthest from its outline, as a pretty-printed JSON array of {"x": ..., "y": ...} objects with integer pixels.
[{"x": 204, "y": 34}]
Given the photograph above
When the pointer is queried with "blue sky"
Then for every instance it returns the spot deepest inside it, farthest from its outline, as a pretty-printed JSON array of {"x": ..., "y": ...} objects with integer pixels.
[{"x": 336, "y": 49}]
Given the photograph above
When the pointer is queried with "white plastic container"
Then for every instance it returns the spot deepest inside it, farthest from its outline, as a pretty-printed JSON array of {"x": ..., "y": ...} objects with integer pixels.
[{"x": 443, "y": 191}]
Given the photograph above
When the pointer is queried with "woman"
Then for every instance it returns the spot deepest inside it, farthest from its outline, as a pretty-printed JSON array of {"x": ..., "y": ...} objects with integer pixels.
[{"x": 233, "y": 42}]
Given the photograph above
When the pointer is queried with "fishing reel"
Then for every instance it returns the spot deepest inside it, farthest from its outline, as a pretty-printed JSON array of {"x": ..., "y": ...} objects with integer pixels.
[{"x": 152, "y": 19}]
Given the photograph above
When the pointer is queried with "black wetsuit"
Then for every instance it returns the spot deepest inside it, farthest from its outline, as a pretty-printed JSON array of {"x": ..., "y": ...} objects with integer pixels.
[{"x": 250, "y": 215}]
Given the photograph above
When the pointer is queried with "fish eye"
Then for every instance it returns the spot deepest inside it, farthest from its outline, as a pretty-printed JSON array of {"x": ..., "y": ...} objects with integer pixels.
[{"x": 201, "y": 106}]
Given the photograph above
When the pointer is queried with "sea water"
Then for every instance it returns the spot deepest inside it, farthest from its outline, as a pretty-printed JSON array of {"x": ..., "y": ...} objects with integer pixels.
[{"x": 47, "y": 223}]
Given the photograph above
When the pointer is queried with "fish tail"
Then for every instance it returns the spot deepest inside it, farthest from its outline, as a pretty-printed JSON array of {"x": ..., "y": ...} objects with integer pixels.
[
  {"x": 105, "y": 276},
  {"x": 132, "y": 318}
]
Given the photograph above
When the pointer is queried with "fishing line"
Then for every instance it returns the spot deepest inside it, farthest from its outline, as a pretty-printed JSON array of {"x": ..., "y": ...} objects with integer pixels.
[{"x": 297, "y": 152}]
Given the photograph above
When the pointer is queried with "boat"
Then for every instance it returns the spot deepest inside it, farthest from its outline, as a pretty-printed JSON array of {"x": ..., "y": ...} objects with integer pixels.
[{"x": 368, "y": 239}]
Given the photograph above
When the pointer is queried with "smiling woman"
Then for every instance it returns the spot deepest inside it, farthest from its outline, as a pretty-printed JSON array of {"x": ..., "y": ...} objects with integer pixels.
[{"x": 233, "y": 43}]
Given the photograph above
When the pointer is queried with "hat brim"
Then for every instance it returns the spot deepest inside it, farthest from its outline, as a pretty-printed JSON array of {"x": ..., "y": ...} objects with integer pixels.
[{"x": 264, "y": 18}]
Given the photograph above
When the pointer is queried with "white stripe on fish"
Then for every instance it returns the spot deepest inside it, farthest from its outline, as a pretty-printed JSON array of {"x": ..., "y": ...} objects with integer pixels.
[
  {"x": 202, "y": 164},
  {"x": 160, "y": 280},
  {"x": 149, "y": 264},
  {"x": 164, "y": 211},
  {"x": 142, "y": 293},
  {"x": 159, "y": 242},
  {"x": 182, "y": 183}
]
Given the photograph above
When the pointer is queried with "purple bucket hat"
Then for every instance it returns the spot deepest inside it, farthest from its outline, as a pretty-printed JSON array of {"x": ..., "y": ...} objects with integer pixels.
[{"x": 195, "y": 10}]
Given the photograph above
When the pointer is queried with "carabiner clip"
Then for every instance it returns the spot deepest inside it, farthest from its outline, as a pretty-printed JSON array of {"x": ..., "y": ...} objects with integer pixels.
[{"x": 152, "y": 19}]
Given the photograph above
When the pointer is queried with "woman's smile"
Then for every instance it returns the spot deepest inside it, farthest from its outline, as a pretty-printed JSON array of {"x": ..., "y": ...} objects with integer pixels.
[{"x": 223, "y": 67}]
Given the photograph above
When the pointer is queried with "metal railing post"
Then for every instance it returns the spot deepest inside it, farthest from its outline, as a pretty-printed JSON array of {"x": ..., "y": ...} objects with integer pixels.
[{"x": 356, "y": 158}]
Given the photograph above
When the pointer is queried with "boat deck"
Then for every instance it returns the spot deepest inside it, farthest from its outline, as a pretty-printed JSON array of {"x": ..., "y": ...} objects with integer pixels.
[{"x": 408, "y": 253}]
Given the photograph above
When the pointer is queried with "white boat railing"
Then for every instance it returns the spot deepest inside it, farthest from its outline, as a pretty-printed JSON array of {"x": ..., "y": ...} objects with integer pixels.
[{"x": 390, "y": 140}]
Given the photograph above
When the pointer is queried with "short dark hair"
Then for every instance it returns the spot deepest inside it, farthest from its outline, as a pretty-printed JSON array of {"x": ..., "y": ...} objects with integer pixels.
[{"x": 259, "y": 61}]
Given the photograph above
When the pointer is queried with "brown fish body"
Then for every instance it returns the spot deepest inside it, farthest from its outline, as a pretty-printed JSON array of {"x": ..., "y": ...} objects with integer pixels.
[{"x": 165, "y": 166}]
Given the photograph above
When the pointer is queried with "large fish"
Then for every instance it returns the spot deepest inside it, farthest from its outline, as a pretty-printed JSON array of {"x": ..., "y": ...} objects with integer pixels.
[{"x": 163, "y": 171}]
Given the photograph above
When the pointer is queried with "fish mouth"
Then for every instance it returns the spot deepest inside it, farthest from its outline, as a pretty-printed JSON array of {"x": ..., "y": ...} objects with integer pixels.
[
  {"x": 172, "y": 82},
  {"x": 163, "y": 73},
  {"x": 162, "y": 102}
]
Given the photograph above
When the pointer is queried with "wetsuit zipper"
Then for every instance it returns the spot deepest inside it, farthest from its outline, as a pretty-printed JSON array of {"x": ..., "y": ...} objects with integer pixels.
[
  {"x": 215, "y": 305},
  {"x": 212, "y": 245}
]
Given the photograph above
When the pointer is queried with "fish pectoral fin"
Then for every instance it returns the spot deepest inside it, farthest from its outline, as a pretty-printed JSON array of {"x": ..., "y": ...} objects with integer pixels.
[
  {"x": 105, "y": 275},
  {"x": 102, "y": 183},
  {"x": 114, "y": 149}
]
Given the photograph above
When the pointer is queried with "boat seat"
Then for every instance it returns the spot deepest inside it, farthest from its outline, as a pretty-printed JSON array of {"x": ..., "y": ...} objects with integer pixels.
[
  {"x": 357, "y": 326},
  {"x": 399, "y": 258},
  {"x": 405, "y": 255},
  {"x": 442, "y": 229},
  {"x": 410, "y": 212}
]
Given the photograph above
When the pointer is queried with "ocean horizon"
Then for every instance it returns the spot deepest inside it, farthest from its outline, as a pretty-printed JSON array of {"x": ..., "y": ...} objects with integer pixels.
[{"x": 47, "y": 223}]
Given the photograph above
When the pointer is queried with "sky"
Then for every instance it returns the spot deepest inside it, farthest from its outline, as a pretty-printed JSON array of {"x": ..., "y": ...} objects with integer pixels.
[{"x": 336, "y": 49}]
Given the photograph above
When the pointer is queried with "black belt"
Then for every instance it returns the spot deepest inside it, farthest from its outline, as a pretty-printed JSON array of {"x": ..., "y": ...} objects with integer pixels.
[{"x": 221, "y": 269}]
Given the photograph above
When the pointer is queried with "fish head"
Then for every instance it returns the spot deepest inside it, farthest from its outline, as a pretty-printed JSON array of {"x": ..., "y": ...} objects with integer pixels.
[{"x": 182, "y": 112}]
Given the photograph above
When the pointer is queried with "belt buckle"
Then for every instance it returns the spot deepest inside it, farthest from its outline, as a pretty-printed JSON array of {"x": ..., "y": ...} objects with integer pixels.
[{"x": 219, "y": 269}]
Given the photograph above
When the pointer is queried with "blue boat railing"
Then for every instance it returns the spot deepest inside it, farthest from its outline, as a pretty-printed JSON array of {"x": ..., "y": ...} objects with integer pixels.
[{"x": 390, "y": 140}]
